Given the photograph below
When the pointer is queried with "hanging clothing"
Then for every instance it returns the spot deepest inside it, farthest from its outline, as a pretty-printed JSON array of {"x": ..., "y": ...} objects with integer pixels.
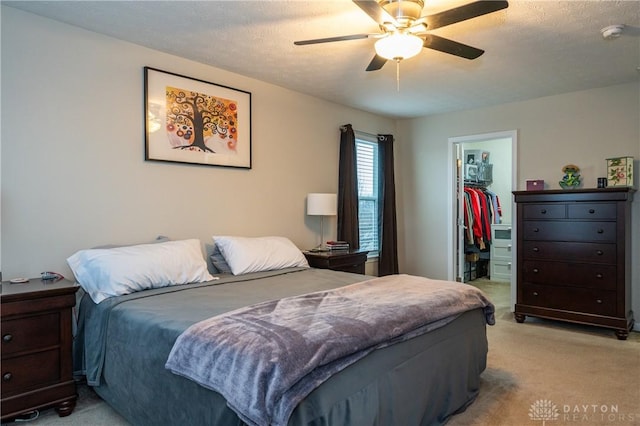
[{"x": 481, "y": 209}]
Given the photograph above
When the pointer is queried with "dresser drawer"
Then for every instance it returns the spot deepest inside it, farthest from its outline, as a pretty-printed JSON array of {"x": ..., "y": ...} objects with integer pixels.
[
  {"x": 592, "y": 301},
  {"x": 29, "y": 333},
  {"x": 500, "y": 243},
  {"x": 569, "y": 231},
  {"x": 583, "y": 252},
  {"x": 569, "y": 274},
  {"x": 503, "y": 253},
  {"x": 544, "y": 211},
  {"x": 500, "y": 270},
  {"x": 30, "y": 371},
  {"x": 501, "y": 233},
  {"x": 591, "y": 211}
]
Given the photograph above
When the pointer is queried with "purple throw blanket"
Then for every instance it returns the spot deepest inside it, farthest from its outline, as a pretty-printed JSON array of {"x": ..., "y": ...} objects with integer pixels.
[{"x": 265, "y": 358}]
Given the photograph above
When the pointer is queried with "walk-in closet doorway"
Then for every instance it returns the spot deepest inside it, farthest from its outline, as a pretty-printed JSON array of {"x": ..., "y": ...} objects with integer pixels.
[{"x": 481, "y": 177}]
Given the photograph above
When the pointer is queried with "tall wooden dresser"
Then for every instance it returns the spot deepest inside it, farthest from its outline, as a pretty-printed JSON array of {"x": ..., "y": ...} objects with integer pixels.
[{"x": 574, "y": 256}]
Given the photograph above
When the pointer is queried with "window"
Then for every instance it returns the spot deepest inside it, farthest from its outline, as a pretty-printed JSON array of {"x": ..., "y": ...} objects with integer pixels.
[{"x": 367, "y": 165}]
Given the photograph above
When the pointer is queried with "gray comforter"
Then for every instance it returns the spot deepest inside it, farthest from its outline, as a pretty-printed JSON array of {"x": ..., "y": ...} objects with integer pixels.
[{"x": 265, "y": 358}]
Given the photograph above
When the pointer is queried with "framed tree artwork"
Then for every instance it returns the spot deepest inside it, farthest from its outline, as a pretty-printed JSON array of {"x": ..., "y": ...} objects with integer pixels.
[{"x": 194, "y": 121}]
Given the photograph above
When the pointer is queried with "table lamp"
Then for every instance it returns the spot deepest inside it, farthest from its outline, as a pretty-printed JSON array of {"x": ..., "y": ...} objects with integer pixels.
[{"x": 322, "y": 205}]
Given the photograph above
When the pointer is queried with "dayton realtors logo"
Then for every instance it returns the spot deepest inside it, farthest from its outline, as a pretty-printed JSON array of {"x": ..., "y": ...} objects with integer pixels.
[{"x": 545, "y": 410}]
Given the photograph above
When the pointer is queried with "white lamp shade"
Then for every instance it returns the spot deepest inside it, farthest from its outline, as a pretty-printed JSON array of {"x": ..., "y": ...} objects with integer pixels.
[
  {"x": 322, "y": 204},
  {"x": 398, "y": 46}
]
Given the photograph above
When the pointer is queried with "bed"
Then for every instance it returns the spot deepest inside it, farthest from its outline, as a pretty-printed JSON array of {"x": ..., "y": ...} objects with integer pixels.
[{"x": 123, "y": 344}]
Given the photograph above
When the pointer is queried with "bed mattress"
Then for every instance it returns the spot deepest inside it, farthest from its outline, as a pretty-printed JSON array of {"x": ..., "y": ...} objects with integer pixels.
[{"x": 123, "y": 344}]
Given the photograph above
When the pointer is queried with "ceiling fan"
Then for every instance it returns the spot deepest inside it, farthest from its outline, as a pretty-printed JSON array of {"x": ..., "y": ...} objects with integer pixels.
[{"x": 404, "y": 32}]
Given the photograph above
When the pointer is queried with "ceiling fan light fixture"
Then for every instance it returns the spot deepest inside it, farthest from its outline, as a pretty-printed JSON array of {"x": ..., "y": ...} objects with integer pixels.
[{"x": 399, "y": 46}]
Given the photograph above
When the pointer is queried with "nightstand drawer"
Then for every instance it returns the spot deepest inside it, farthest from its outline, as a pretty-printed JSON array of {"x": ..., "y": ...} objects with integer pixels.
[
  {"x": 353, "y": 261},
  {"x": 30, "y": 371},
  {"x": 29, "y": 333}
]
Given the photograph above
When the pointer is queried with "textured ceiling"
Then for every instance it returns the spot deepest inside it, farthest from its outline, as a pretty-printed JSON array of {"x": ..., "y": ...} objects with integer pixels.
[{"x": 532, "y": 49}]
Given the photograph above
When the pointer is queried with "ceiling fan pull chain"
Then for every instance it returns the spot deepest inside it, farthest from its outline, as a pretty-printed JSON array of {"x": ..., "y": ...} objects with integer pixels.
[{"x": 398, "y": 75}]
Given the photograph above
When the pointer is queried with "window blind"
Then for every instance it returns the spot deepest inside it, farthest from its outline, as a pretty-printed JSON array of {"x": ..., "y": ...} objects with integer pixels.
[{"x": 367, "y": 170}]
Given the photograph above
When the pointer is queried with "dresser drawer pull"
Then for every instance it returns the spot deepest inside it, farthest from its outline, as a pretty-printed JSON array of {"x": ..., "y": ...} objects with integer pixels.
[
  {"x": 536, "y": 230},
  {"x": 599, "y": 276},
  {"x": 599, "y": 252},
  {"x": 536, "y": 249},
  {"x": 543, "y": 211},
  {"x": 600, "y": 231},
  {"x": 535, "y": 293},
  {"x": 7, "y": 338},
  {"x": 591, "y": 211},
  {"x": 599, "y": 301},
  {"x": 535, "y": 270},
  {"x": 6, "y": 377}
]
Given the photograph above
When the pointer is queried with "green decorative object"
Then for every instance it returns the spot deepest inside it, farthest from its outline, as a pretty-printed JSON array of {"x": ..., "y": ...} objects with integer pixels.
[{"x": 571, "y": 178}]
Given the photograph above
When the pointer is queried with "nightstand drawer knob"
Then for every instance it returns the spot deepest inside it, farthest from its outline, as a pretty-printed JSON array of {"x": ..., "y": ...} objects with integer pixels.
[
  {"x": 599, "y": 252},
  {"x": 536, "y": 249},
  {"x": 600, "y": 231},
  {"x": 599, "y": 301},
  {"x": 535, "y": 293},
  {"x": 536, "y": 270},
  {"x": 7, "y": 338},
  {"x": 6, "y": 377},
  {"x": 599, "y": 276}
]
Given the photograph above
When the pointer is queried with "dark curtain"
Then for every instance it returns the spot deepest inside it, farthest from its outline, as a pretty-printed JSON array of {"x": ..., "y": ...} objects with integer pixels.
[
  {"x": 388, "y": 260},
  {"x": 348, "y": 189}
]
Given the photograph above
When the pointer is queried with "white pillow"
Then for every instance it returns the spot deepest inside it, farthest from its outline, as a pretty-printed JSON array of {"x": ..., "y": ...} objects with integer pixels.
[
  {"x": 105, "y": 273},
  {"x": 246, "y": 254}
]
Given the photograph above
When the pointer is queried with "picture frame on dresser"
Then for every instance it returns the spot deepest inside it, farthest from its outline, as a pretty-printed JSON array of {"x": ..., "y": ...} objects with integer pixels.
[{"x": 574, "y": 256}]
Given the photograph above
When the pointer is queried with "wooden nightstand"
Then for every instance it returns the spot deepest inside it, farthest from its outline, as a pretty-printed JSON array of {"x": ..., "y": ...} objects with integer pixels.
[
  {"x": 37, "y": 369},
  {"x": 346, "y": 261}
]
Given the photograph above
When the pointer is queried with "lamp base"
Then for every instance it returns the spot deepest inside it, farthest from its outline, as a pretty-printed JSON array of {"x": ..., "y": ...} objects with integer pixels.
[{"x": 322, "y": 246}]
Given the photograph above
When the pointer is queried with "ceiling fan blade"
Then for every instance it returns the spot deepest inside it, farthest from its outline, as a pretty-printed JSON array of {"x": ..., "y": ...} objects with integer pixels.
[
  {"x": 376, "y": 63},
  {"x": 375, "y": 11},
  {"x": 331, "y": 39},
  {"x": 452, "y": 47},
  {"x": 463, "y": 13}
]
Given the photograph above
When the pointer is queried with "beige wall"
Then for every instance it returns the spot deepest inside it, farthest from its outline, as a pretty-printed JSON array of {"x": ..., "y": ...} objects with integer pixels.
[
  {"x": 583, "y": 128},
  {"x": 73, "y": 173}
]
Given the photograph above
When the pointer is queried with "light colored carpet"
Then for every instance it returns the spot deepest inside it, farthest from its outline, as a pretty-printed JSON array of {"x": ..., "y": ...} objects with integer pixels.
[
  {"x": 539, "y": 373},
  {"x": 573, "y": 374}
]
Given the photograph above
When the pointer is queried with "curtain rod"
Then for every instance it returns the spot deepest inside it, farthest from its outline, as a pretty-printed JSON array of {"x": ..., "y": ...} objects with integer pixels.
[
  {"x": 363, "y": 134},
  {"x": 358, "y": 132}
]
